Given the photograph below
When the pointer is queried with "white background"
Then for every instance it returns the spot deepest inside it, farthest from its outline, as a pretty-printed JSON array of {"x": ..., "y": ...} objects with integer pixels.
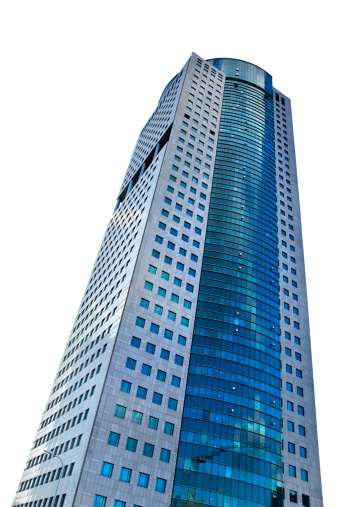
[{"x": 78, "y": 82}]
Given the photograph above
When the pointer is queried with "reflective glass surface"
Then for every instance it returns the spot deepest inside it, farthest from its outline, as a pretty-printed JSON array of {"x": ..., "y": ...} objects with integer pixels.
[{"x": 230, "y": 443}]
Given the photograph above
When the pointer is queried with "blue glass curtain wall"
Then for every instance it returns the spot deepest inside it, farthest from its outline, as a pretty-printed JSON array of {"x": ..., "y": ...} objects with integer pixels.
[{"x": 230, "y": 451}]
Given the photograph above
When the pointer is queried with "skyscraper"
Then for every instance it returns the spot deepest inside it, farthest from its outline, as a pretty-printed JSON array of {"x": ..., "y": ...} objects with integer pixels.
[{"x": 188, "y": 373}]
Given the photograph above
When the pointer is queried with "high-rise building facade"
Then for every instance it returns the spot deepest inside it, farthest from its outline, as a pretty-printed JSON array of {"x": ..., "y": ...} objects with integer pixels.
[{"x": 187, "y": 377}]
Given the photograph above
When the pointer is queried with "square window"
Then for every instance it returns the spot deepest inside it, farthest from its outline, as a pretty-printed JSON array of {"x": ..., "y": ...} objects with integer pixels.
[
  {"x": 148, "y": 450},
  {"x": 158, "y": 309},
  {"x": 175, "y": 381},
  {"x": 125, "y": 386},
  {"x": 120, "y": 411},
  {"x": 165, "y": 213},
  {"x": 178, "y": 360},
  {"x": 157, "y": 398},
  {"x": 114, "y": 439},
  {"x": 182, "y": 340},
  {"x": 171, "y": 246},
  {"x": 165, "y": 275},
  {"x": 168, "y": 260},
  {"x": 172, "y": 404},
  {"x": 161, "y": 292},
  {"x": 187, "y": 304},
  {"x": 171, "y": 315},
  {"x": 175, "y": 298},
  {"x": 119, "y": 503},
  {"x": 140, "y": 322},
  {"x": 144, "y": 303},
  {"x": 141, "y": 393},
  {"x": 131, "y": 444},
  {"x": 165, "y": 455},
  {"x": 125, "y": 475},
  {"x": 130, "y": 363},
  {"x": 156, "y": 254},
  {"x": 136, "y": 417},
  {"x": 180, "y": 266},
  {"x": 189, "y": 287},
  {"x": 161, "y": 375},
  {"x": 99, "y": 501},
  {"x": 168, "y": 334},
  {"x": 153, "y": 423},
  {"x": 143, "y": 480},
  {"x": 152, "y": 269},
  {"x": 154, "y": 328},
  {"x": 183, "y": 252},
  {"x": 146, "y": 369},
  {"x": 150, "y": 348},
  {"x": 165, "y": 354},
  {"x": 107, "y": 469},
  {"x": 160, "y": 485},
  {"x": 178, "y": 282},
  {"x": 135, "y": 342}
]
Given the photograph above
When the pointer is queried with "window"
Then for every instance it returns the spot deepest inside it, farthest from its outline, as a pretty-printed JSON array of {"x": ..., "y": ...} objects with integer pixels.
[
  {"x": 303, "y": 452},
  {"x": 161, "y": 292},
  {"x": 107, "y": 469},
  {"x": 291, "y": 448},
  {"x": 187, "y": 304},
  {"x": 165, "y": 455},
  {"x": 289, "y": 387},
  {"x": 182, "y": 340},
  {"x": 165, "y": 275},
  {"x": 178, "y": 282},
  {"x": 301, "y": 430},
  {"x": 165, "y": 213},
  {"x": 146, "y": 369},
  {"x": 159, "y": 239},
  {"x": 143, "y": 480},
  {"x": 119, "y": 503},
  {"x": 292, "y": 471},
  {"x": 114, "y": 439},
  {"x": 135, "y": 342},
  {"x": 156, "y": 254},
  {"x": 288, "y": 368},
  {"x": 179, "y": 360},
  {"x": 153, "y": 423},
  {"x": 180, "y": 266},
  {"x": 306, "y": 500},
  {"x": 183, "y": 252},
  {"x": 168, "y": 334},
  {"x": 290, "y": 405},
  {"x": 136, "y": 417},
  {"x": 171, "y": 315},
  {"x": 298, "y": 356},
  {"x": 301, "y": 410},
  {"x": 140, "y": 322},
  {"x": 175, "y": 381},
  {"x": 160, "y": 485},
  {"x": 169, "y": 428},
  {"x": 299, "y": 373},
  {"x": 125, "y": 475},
  {"x": 288, "y": 352},
  {"x": 99, "y": 501},
  {"x": 148, "y": 450},
  {"x": 130, "y": 363},
  {"x": 162, "y": 225},
  {"x": 148, "y": 285},
  {"x": 293, "y": 496},
  {"x": 161, "y": 375},
  {"x": 291, "y": 426},
  {"x": 150, "y": 348},
  {"x": 300, "y": 391},
  {"x": 165, "y": 354},
  {"x": 157, "y": 398},
  {"x": 304, "y": 475},
  {"x": 144, "y": 303},
  {"x": 125, "y": 386},
  {"x": 158, "y": 309},
  {"x": 172, "y": 404},
  {"x": 189, "y": 287},
  {"x": 120, "y": 411},
  {"x": 154, "y": 328},
  {"x": 141, "y": 393}
]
